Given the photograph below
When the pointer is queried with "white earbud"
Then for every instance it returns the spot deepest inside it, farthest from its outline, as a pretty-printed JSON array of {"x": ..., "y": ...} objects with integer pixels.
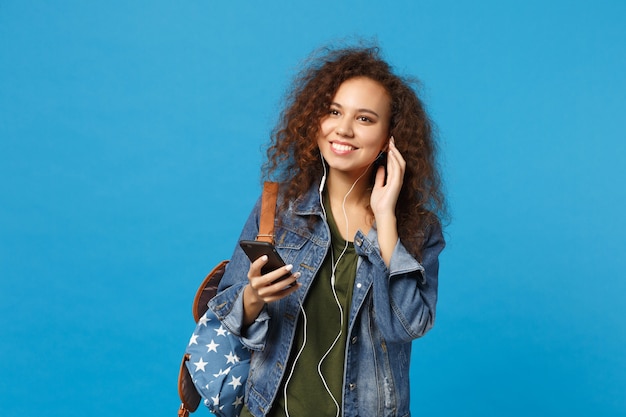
[{"x": 323, "y": 181}]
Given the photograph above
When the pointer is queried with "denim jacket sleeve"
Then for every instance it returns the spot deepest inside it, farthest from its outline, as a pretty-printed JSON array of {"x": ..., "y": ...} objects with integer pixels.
[
  {"x": 228, "y": 303},
  {"x": 405, "y": 294}
]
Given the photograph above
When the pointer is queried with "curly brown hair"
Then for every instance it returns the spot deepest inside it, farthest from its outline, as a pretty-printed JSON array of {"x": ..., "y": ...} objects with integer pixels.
[{"x": 293, "y": 156}]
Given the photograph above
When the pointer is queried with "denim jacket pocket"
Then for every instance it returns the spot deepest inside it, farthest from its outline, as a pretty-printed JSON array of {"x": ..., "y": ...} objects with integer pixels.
[{"x": 289, "y": 243}]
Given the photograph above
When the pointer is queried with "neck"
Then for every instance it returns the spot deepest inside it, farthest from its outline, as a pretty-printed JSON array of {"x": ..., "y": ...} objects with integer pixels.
[{"x": 339, "y": 185}]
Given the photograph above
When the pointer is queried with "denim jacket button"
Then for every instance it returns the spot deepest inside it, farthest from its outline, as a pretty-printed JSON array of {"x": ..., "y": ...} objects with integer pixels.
[
  {"x": 354, "y": 339},
  {"x": 352, "y": 386},
  {"x": 358, "y": 241}
]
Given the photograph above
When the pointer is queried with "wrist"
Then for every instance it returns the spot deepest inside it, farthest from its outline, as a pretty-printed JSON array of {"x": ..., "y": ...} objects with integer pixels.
[
  {"x": 250, "y": 298},
  {"x": 387, "y": 230},
  {"x": 252, "y": 305},
  {"x": 385, "y": 220}
]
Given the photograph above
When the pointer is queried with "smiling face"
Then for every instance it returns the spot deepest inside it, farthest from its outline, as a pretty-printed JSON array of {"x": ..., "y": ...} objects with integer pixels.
[{"x": 356, "y": 128}]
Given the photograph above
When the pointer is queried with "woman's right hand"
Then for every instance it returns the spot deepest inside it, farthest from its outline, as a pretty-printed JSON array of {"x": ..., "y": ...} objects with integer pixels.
[{"x": 263, "y": 289}]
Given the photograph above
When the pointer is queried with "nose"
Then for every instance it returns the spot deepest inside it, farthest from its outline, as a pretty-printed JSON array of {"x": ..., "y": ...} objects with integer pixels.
[{"x": 344, "y": 128}]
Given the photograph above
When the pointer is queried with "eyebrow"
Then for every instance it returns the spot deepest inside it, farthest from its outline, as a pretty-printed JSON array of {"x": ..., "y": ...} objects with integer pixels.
[{"x": 358, "y": 110}]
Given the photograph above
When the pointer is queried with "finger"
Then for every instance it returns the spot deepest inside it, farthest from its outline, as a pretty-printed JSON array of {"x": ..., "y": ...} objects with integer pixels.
[
  {"x": 259, "y": 280},
  {"x": 284, "y": 292},
  {"x": 395, "y": 171},
  {"x": 379, "y": 180},
  {"x": 291, "y": 289},
  {"x": 393, "y": 166},
  {"x": 395, "y": 152},
  {"x": 255, "y": 273},
  {"x": 278, "y": 274},
  {"x": 395, "y": 159},
  {"x": 280, "y": 288},
  {"x": 257, "y": 265},
  {"x": 281, "y": 283}
]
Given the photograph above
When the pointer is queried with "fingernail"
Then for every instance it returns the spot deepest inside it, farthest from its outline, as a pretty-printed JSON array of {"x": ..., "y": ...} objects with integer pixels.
[
  {"x": 264, "y": 257},
  {"x": 289, "y": 267},
  {"x": 297, "y": 275}
]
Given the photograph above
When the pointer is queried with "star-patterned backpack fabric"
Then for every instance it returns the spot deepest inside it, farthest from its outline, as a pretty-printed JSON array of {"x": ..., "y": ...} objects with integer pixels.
[
  {"x": 219, "y": 365},
  {"x": 215, "y": 365}
]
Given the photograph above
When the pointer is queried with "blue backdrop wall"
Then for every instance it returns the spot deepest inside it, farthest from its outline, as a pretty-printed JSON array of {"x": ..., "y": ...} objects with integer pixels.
[{"x": 130, "y": 147}]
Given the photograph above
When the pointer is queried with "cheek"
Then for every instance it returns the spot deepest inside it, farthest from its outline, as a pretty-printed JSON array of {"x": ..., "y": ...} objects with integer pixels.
[
  {"x": 326, "y": 127},
  {"x": 378, "y": 139}
]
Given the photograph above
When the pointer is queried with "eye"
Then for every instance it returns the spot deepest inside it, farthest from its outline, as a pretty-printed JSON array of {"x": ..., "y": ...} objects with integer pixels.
[
  {"x": 365, "y": 119},
  {"x": 333, "y": 112}
]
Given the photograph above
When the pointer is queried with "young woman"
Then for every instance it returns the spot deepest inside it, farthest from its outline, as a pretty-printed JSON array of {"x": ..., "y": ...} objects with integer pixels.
[{"x": 357, "y": 224}]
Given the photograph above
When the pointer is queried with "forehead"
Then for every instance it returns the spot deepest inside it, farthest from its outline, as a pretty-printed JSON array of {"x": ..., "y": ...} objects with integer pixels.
[{"x": 363, "y": 92}]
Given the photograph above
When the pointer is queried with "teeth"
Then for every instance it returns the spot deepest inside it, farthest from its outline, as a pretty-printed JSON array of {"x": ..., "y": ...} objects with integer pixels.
[{"x": 342, "y": 148}]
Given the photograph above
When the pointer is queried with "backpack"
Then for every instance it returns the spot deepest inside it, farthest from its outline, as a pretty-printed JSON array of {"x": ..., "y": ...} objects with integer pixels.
[{"x": 215, "y": 364}]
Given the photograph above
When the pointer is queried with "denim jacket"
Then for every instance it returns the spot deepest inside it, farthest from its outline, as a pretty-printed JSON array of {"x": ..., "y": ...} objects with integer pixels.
[{"x": 390, "y": 307}]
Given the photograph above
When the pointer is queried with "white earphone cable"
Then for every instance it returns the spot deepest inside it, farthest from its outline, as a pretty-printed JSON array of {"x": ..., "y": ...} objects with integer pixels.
[{"x": 334, "y": 266}]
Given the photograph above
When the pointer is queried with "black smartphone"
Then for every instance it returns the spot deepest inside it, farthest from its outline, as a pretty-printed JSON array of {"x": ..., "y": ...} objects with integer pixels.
[{"x": 255, "y": 249}]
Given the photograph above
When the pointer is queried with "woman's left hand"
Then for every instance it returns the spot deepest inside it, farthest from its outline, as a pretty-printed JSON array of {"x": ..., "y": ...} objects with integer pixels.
[{"x": 385, "y": 195}]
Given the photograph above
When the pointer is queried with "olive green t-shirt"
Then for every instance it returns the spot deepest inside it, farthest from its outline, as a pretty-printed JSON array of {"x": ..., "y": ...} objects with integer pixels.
[{"x": 306, "y": 391}]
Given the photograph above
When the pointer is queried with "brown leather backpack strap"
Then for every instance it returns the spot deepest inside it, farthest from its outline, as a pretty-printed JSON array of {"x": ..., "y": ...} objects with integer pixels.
[
  {"x": 268, "y": 212},
  {"x": 182, "y": 411},
  {"x": 187, "y": 392},
  {"x": 207, "y": 290}
]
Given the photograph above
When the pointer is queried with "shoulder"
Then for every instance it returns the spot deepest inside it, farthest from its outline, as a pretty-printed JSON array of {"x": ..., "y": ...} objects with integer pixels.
[{"x": 305, "y": 203}]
